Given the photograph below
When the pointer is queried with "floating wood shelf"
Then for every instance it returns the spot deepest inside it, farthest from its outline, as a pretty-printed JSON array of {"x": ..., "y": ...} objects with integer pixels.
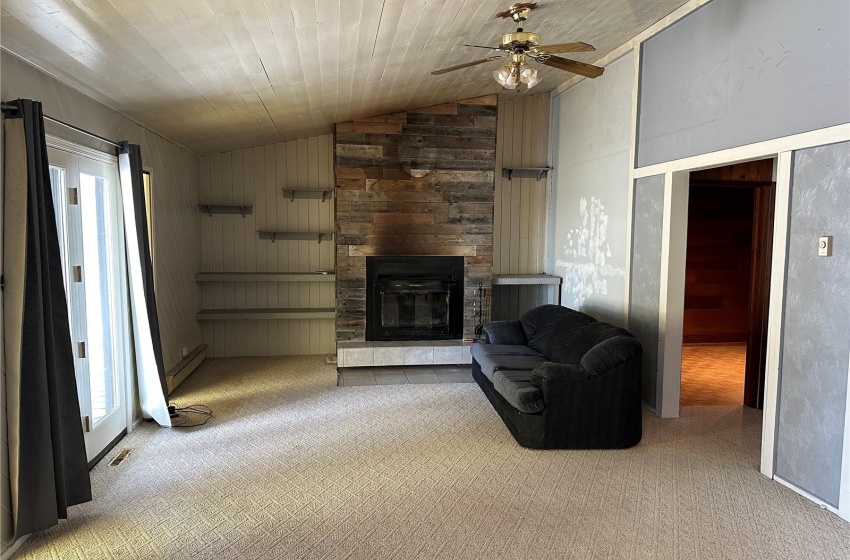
[
  {"x": 296, "y": 235},
  {"x": 265, "y": 277},
  {"x": 266, "y": 314},
  {"x": 292, "y": 194},
  {"x": 226, "y": 209},
  {"x": 525, "y": 280},
  {"x": 525, "y": 172}
]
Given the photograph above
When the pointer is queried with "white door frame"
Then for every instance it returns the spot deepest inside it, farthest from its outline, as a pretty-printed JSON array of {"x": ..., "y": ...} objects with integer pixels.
[
  {"x": 121, "y": 311},
  {"x": 671, "y": 306}
]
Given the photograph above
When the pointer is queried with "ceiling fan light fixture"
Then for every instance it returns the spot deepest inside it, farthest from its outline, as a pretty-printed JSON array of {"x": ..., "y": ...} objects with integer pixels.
[
  {"x": 528, "y": 76},
  {"x": 506, "y": 76}
]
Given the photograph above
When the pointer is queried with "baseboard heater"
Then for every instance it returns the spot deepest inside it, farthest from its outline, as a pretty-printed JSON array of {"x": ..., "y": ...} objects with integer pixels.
[{"x": 185, "y": 368}]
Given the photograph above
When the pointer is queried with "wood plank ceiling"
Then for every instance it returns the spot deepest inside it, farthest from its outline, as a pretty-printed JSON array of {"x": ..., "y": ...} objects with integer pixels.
[{"x": 219, "y": 75}]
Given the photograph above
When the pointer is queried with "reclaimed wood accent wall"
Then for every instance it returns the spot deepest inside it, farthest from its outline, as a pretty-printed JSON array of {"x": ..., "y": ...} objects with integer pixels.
[{"x": 415, "y": 183}]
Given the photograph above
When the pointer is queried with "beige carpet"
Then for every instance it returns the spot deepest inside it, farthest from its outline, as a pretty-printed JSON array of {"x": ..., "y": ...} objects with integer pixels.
[
  {"x": 713, "y": 374},
  {"x": 292, "y": 466}
]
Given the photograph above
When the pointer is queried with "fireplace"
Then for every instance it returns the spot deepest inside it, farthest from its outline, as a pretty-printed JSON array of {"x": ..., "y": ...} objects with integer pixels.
[{"x": 414, "y": 298}]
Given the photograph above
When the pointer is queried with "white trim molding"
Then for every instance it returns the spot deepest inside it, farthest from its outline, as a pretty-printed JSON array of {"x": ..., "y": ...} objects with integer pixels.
[
  {"x": 671, "y": 302},
  {"x": 767, "y": 148},
  {"x": 805, "y": 494},
  {"x": 776, "y": 308},
  {"x": 77, "y": 149}
]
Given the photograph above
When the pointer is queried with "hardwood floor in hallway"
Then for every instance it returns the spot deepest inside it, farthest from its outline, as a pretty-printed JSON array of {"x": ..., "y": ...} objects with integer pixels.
[{"x": 713, "y": 374}]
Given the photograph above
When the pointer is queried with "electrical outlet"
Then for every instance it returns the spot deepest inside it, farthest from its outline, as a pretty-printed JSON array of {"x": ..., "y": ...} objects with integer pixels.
[{"x": 185, "y": 351}]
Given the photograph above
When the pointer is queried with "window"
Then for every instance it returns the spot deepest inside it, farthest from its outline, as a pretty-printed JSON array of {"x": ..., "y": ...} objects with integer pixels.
[{"x": 146, "y": 178}]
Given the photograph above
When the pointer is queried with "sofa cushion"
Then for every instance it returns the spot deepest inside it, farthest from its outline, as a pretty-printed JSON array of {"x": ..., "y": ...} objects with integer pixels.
[
  {"x": 492, "y": 362},
  {"x": 564, "y": 337},
  {"x": 482, "y": 348},
  {"x": 589, "y": 336},
  {"x": 518, "y": 390},
  {"x": 504, "y": 332},
  {"x": 541, "y": 322}
]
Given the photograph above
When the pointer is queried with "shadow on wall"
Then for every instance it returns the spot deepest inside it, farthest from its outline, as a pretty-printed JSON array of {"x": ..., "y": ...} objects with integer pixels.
[{"x": 584, "y": 263}]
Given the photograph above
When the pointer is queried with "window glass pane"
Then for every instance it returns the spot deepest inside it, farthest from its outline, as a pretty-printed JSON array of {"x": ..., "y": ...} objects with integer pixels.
[
  {"x": 146, "y": 178},
  {"x": 57, "y": 186},
  {"x": 97, "y": 273}
]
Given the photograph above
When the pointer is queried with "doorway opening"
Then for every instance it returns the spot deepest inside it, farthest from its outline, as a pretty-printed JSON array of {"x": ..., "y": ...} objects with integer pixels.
[{"x": 727, "y": 284}]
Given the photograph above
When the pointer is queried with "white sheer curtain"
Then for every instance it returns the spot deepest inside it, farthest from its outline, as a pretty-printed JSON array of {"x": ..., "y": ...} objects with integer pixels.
[{"x": 148, "y": 349}]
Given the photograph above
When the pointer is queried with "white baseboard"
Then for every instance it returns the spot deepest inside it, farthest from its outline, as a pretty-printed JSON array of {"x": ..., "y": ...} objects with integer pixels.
[{"x": 185, "y": 368}]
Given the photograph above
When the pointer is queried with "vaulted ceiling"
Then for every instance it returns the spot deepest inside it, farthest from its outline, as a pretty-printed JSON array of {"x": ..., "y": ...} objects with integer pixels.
[{"x": 217, "y": 75}]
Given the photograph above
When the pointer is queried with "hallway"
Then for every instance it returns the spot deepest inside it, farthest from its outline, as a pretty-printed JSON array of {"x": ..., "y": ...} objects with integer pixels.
[{"x": 712, "y": 374}]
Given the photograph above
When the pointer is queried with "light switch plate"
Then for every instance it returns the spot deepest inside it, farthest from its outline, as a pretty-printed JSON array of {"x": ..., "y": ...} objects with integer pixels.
[{"x": 825, "y": 246}]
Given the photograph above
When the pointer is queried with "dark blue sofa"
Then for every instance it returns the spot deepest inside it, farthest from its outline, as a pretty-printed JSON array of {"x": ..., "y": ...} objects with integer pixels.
[{"x": 560, "y": 379}]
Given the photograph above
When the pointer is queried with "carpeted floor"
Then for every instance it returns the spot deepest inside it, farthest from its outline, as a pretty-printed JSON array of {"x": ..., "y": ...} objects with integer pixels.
[{"x": 291, "y": 466}]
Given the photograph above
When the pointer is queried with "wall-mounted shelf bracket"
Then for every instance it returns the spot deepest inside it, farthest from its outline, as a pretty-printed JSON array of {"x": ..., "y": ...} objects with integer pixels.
[
  {"x": 295, "y": 235},
  {"x": 292, "y": 194},
  {"x": 525, "y": 172},
  {"x": 226, "y": 209}
]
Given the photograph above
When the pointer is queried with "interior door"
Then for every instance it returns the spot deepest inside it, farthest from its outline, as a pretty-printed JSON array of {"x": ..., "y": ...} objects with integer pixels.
[{"x": 87, "y": 198}]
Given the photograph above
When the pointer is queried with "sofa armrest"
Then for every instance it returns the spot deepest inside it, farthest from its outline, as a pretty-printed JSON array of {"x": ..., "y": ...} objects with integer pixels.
[
  {"x": 609, "y": 354},
  {"x": 505, "y": 332},
  {"x": 553, "y": 372}
]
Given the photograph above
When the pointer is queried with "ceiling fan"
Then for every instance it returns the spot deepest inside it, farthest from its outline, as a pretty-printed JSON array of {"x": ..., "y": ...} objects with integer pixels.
[{"x": 523, "y": 45}]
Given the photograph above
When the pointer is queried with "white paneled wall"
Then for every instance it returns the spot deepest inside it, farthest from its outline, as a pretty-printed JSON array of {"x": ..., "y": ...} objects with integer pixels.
[
  {"x": 175, "y": 186},
  {"x": 255, "y": 177},
  {"x": 177, "y": 241},
  {"x": 519, "y": 228}
]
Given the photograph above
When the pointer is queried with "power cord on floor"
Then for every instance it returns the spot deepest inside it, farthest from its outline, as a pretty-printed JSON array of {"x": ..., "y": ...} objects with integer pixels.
[{"x": 188, "y": 416}]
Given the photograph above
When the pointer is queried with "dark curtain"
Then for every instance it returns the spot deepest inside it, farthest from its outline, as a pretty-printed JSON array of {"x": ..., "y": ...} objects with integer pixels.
[
  {"x": 48, "y": 467},
  {"x": 142, "y": 247}
]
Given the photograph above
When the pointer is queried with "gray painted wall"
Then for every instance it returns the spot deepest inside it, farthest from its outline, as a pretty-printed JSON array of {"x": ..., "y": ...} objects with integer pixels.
[
  {"x": 590, "y": 191},
  {"x": 815, "y": 341},
  {"x": 645, "y": 281},
  {"x": 734, "y": 73}
]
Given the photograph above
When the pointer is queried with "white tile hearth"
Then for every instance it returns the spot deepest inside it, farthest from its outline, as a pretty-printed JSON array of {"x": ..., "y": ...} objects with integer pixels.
[
  {"x": 450, "y": 354},
  {"x": 389, "y": 353},
  {"x": 406, "y": 353},
  {"x": 418, "y": 353}
]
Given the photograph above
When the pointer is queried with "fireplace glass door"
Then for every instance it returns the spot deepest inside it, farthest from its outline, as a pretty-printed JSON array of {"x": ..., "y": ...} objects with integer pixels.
[
  {"x": 413, "y": 308},
  {"x": 414, "y": 298}
]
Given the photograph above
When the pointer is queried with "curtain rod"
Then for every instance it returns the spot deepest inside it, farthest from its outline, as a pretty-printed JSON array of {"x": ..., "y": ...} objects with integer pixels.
[{"x": 13, "y": 107}]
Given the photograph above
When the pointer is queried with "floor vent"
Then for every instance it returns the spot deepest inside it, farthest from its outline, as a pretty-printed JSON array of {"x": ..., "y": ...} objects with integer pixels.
[{"x": 119, "y": 458}]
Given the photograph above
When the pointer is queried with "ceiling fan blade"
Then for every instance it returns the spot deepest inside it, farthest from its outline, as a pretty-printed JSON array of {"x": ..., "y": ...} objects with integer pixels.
[
  {"x": 566, "y": 47},
  {"x": 465, "y": 65},
  {"x": 573, "y": 66},
  {"x": 482, "y": 47}
]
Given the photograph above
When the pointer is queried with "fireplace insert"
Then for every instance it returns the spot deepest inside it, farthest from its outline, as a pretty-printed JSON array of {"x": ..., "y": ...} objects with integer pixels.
[{"x": 414, "y": 298}]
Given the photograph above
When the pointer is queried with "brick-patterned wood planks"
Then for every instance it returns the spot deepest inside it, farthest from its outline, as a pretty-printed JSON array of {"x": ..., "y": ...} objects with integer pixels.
[{"x": 415, "y": 183}]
